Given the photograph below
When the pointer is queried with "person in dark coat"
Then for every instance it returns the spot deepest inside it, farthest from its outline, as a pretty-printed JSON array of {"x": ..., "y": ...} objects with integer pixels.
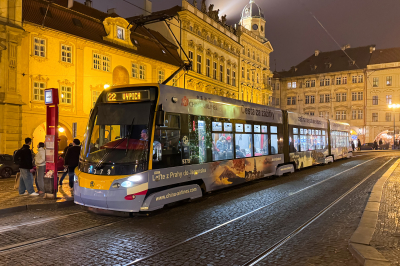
[
  {"x": 353, "y": 146},
  {"x": 375, "y": 145},
  {"x": 380, "y": 142},
  {"x": 72, "y": 160},
  {"x": 66, "y": 169},
  {"x": 359, "y": 144},
  {"x": 23, "y": 157}
]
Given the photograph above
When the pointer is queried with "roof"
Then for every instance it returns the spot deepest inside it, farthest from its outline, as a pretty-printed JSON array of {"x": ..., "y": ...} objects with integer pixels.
[
  {"x": 333, "y": 61},
  {"x": 252, "y": 10},
  {"x": 171, "y": 12},
  {"x": 93, "y": 29},
  {"x": 382, "y": 56}
]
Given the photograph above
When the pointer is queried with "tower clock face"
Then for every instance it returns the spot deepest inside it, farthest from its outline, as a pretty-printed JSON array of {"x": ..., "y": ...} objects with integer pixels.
[{"x": 255, "y": 27}]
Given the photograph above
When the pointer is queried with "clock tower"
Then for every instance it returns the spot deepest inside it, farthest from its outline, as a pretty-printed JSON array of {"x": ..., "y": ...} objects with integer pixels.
[{"x": 253, "y": 19}]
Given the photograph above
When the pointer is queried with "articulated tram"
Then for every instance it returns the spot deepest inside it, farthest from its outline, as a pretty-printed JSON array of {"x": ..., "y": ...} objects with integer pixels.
[{"x": 149, "y": 145}]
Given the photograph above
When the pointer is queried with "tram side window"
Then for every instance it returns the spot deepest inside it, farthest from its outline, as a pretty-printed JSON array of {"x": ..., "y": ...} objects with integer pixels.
[
  {"x": 274, "y": 140},
  {"x": 222, "y": 139},
  {"x": 260, "y": 140},
  {"x": 243, "y": 140},
  {"x": 166, "y": 144},
  {"x": 294, "y": 144},
  {"x": 323, "y": 140},
  {"x": 196, "y": 139}
]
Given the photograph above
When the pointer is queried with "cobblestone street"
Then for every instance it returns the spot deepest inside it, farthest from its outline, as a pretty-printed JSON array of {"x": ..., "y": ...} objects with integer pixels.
[{"x": 229, "y": 227}]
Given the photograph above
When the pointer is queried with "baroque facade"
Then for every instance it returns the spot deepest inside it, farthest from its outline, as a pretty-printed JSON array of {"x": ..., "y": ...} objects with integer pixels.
[{"x": 78, "y": 51}]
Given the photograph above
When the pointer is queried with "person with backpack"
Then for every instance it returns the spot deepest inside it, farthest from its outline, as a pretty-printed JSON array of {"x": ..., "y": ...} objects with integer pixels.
[
  {"x": 72, "y": 160},
  {"x": 40, "y": 161},
  {"x": 23, "y": 157}
]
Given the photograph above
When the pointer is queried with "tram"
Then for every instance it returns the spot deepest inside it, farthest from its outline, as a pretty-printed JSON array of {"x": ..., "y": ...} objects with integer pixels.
[{"x": 149, "y": 145}]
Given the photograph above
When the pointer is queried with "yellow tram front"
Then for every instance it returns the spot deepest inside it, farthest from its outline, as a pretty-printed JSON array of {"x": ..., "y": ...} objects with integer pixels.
[{"x": 115, "y": 157}]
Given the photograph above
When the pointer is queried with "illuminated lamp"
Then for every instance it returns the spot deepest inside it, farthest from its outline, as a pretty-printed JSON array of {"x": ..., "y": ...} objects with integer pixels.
[
  {"x": 61, "y": 130},
  {"x": 106, "y": 86}
]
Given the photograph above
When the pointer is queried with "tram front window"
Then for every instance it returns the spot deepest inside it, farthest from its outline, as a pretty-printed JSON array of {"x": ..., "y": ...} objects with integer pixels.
[{"x": 118, "y": 134}]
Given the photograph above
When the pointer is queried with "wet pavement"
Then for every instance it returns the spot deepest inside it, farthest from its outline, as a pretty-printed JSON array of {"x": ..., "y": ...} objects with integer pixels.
[{"x": 228, "y": 227}]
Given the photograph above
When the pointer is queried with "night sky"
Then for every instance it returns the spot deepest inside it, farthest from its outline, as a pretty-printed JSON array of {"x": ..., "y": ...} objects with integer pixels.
[{"x": 293, "y": 32}]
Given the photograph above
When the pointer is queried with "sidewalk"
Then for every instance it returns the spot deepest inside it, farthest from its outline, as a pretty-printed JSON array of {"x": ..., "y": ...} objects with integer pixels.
[
  {"x": 11, "y": 201},
  {"x": 377, "y": 238}
]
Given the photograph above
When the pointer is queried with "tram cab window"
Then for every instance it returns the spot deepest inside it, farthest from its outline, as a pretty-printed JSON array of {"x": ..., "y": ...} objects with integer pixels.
[
  {"x": 260, "y": 140},
  {"x": 222, "y": 140},
  {"x": 274, "y": 140},
  {"x": 243, "y": 140}
]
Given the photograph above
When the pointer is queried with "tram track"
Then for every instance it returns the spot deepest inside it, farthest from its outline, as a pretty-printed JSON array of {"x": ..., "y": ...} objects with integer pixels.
[{"x": 265, "y": 206}]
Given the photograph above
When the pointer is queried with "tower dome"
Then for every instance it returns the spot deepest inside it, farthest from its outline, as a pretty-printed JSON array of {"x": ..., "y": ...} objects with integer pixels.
[{"x": 252, "y": 10}]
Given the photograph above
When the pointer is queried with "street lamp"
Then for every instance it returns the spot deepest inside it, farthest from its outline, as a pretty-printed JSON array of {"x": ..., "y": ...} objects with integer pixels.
[{"x": 394, "y": 106}]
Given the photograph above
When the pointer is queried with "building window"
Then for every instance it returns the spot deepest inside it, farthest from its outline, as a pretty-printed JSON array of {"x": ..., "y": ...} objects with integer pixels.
[
  {"x": 270, "y": 81},
  {"x": 291, "y": 101},
  {"x": 344, "y": 115},
  {"x": 208, "y": 65},
  {"x": 360, "y": 78},
  {"x": 375, "y": 82},
  {"x": 243, "y": 76},
  {"x": 134, "y": 70},
  {"x": 277, "y": 86},
  {"x": 161, "y": 74},
  {"x": 313, "y": 83},
  {"x": 354, "y": 79},
  {"x": 191, "y": 58},
  {"x": 277, "y": 101},
  {"x": 294, "y": 85},
  {"x": 66, "y": 53},
  {"x": 221, "y": 73},
  {"x": 248, "y": 74},
  {"x": 138, "y": 71},
  {"x": 374, "y": 100},
  {"x": 338, "y": 97},
  {"x": 307, "y": 100},
  {"x": 234, "y": 78},
  {"x": 66, "y": 94},
  {"x": 95, "y": 96},
  {"x": 360, "y": 114},
  {"x": 389, "y": 81},
  {"x": 228, "y": 76},
  {"x": 338, "y": 80},
  {"x": 354, "y": 96},
  {"x": 327, "y": 98},
  {"x": 338, "y": 115},
  {"x": 215, "y": 70},
  {"x": 321, "y": 82},
  {"x": 142, "y": 72},
  {"x": 321, "y": 98},
  {"x": 388, "y": 99},
  {"x": 354, "y": 114},
  {"x": 38, "y": 91},
  {"x": 312, "y": 99},
  {"x": 120, "y": 33},
  {"x": 307, "y": 84},
  {"x": 360, "y": 96},
  {"x": 175, "y": 82},
  {"x": 252, "y": 76},
  {"x": 39, "y": 47},
  {"x": 289, "y": 85},
  {"x": 199, "y": 64},
  {"x": 374, "y": 117},
  {"x": 101, "y": 62},
  {"x": 344, "y": 80},
  {"x": 344, "y": 97},
  {"x": 388, "y": 117},
  {"x": 327, "y": 82},
  {"x": 322, "y": 114}
]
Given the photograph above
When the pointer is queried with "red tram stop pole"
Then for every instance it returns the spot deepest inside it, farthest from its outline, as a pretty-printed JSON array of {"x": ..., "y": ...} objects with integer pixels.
[{"x": 51, "y": 142}]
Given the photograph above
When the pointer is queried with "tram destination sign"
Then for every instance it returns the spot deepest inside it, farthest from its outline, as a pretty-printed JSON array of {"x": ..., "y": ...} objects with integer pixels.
[{"x": 128, "y": 96}]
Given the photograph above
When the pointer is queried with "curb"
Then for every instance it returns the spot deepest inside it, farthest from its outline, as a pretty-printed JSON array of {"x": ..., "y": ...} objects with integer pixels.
[
  {"x": 45, "y": 206},
  {"x": 359, "y": 243}
]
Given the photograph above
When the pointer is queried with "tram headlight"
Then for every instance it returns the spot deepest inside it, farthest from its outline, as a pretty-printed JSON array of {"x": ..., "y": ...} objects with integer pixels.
[
  {"x": 135, "y": 178},
  {"x": 127, "y": 184}
]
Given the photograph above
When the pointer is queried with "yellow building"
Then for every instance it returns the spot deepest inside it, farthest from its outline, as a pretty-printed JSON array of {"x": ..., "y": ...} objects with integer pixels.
[
  {"x": 327, "y": 84},
  {"x": 383, "y": 89},
  {"x": 78, "y": 51},
  {"x": 255, "y": 82},
  {"x": 211, "y": 45}
]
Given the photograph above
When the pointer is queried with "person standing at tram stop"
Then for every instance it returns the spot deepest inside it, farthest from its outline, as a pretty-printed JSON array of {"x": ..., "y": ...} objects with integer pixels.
[
  {"x": 72, "y": 160},
  {"x": 66, "y": 168},
  {"x": 359, "y": 144},
  {"x": 40, "y": 161},
  {"x": 353, "y": 147},
  {"x": 23, "y": 157}
]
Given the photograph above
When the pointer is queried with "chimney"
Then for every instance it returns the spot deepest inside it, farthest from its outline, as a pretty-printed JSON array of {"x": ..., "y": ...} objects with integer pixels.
[
  {"x": 316, "y": 53},
  {"x": 371, "y": 49},
  {"x": 112, "y": 11},
  {"x": 88, "y": 3},
  {"x": 70, "y": 3},
  {"x": 148, "y": 6}
]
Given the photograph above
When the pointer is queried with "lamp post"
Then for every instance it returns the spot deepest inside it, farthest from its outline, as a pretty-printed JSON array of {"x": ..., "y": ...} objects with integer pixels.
[{"x": 394, "y": 107}]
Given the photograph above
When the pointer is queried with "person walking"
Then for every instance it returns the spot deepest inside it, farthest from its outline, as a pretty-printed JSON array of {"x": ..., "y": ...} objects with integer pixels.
[
  {"x": 66, "y": 168},
  {"x": 23, "y": 157},
  {"x": 359, "y": 144},
  {"x": 40, "y": 161},
  {"x": 72, "y": 160},
  {"x": 352, "y": 145}
]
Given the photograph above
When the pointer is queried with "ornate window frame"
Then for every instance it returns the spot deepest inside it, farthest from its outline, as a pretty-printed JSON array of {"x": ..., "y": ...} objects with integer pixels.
[
  {"x": 38, "y": 79},
  {"x": 66, "y": 83},
  {"x": 36, "y": 57},
  {"x": 66, "y": 64}
]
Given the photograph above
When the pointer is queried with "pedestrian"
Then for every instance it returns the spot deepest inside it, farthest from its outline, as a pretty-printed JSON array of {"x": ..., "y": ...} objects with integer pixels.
[
  {"x": 40, "y": 161},
  {"x": 375, "y": 145},
  {"x": 72, "y": 160},
  {"x": 23, "y": 157},
  {"x": 353, "y": 146},
  {"x": 359, "y": 144},
  {"x": 65, "y": 168},
  {"x": 380, "y": 142}
]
